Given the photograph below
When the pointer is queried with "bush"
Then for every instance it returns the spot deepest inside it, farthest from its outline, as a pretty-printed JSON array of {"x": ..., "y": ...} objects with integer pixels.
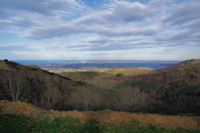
[
  {"x": 119, "y": 75},
  {"x": 105, "y": 111}
]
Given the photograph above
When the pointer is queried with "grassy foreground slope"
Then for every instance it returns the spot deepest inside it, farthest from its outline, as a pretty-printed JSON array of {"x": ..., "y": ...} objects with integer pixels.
[{"x": 26, "y": 117}]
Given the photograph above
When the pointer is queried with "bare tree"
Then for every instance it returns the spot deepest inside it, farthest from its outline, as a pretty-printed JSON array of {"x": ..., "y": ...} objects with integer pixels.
[
  {"x": 129, "y": 99},
  {"x": 81, "y": 98},
  {"x": 3, "y": 94},
  {"x": 16, "y": 87},
  {"x": 50, "y": 96}
]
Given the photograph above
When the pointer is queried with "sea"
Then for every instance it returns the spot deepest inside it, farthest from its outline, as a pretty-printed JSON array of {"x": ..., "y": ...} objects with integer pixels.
[{"x": 110, "y": 64}]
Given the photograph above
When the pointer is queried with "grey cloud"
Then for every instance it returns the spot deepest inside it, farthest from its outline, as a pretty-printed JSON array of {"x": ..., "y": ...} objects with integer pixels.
[
  {"x": 24, "y": 23},
  {"x": 14, "y": 48},
  {"x": 121, "y": 46},
  {"x": 32, "y": 13},
  {"x": 99, "y": 22},
  {"x": 44, "y": 7},
  {"x": 149, "y": 22},
  {"x": 188, "y": 37},
  {"x": 69, "y": 29},
  {"x": 120, "y": 12},
  {"x": 106, "y": 40},
  {"x": 145, "y": 32},
  {"x": 106, "y": 43},
  {"x": 185, "y": 14},
  {"x": 184, "y": 23},
  {"x": 18, "y": 21},
  {"x": 128, "y": 12},
  {"x": 165, "y": 52},
  {"x": 102, "y": 22},
  {"x": 100, "y": 41},
  {"x": 25, "y": 20},
  {"x": 50, "y": 32}
]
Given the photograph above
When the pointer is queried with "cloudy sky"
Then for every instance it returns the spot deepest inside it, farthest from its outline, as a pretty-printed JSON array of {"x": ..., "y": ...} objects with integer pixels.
[{"x": 99, "y": 29}]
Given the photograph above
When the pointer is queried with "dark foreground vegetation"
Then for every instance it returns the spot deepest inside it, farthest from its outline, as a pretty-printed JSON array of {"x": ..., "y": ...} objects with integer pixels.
[
  {"x": 171, "y": 91},
  {"x": 24, "y": 124}
]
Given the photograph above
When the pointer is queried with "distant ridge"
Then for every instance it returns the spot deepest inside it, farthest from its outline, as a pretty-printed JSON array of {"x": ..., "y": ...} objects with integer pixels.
[
  {"x": 189, "y": 62},
  {"x": 187, "y": 72}
]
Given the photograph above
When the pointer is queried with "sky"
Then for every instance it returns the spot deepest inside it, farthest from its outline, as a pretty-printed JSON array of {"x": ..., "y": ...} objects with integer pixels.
[{"x": 99, "y": 29}]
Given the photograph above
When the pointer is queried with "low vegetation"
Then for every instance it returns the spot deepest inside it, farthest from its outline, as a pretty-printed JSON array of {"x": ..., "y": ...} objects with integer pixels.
[
  {"x": 15, "y": 117},
  {"x": 22, "y": 124}
]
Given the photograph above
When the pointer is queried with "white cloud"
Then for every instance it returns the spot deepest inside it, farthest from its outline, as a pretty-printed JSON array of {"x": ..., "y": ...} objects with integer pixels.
[{"x": 119, "y": 25}]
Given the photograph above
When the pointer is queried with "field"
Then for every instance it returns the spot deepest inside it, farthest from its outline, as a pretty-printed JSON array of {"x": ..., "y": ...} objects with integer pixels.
[
  {"x": 129, "y": 71},
  {"x": 19, "y": 117}
]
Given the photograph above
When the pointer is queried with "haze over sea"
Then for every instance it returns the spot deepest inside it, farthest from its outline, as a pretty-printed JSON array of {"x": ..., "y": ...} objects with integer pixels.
[{"x": 111, "y": 64}]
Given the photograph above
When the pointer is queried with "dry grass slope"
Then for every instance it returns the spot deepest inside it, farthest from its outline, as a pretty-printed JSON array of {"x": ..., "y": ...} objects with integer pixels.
[
  {"x": 18, "y": 108},
  {"x": 169, "y": 122},
  {"x": 4, "y": 66}
]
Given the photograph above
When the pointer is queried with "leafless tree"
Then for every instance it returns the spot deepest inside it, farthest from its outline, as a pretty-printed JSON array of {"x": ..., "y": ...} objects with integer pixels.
[
  {"x": 129, "y": 99},
  {"x": 16, "y": 86},
  {"x": 81, "y": 98},
  {"x": 49, "y": 97}
]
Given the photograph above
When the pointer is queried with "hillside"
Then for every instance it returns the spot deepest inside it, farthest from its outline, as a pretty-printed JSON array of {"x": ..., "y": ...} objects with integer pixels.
[
  {"x": 35, "y": 85},
  {"x": 188, "y": 62},
  {"x": 175, "y": 89},
  {"x": 168, "y": 91},
  {"x": 189, "y": 74},
  {"x": 47, "y": 90}
]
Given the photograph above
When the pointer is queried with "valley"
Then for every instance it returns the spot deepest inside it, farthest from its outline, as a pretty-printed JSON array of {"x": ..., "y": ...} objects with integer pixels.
[{"x": 122, "y": 95}]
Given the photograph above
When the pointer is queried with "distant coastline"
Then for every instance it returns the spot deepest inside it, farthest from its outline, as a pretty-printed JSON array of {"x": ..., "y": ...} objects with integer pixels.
[{"x": 110, "y": 64}]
